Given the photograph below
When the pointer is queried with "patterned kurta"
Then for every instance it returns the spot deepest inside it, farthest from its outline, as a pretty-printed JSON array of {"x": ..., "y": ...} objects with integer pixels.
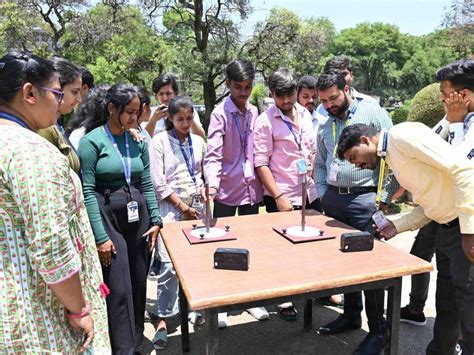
[{"x": 45, "y": 237}]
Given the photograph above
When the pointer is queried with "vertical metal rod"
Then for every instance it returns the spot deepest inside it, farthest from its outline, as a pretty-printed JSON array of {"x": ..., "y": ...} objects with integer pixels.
[
  {"x": 303, "y": 203},
  {"x": 208, "y": 208}
]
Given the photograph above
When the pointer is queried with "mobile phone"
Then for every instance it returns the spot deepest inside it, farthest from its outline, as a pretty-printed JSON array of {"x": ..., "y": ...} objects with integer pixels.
[
  {"x": 162, "y": 107},
  {"x": 380, "y": 220}
]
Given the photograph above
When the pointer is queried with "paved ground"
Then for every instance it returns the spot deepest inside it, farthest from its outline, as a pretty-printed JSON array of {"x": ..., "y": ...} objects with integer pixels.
[{"x": 245, "y": 335}]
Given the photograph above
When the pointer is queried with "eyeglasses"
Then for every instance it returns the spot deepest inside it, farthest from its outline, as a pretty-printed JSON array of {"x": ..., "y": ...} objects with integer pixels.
[{"x": 59, "y": 94}]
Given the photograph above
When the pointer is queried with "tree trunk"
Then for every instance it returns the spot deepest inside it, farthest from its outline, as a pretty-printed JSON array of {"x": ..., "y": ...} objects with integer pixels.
[{"x": 209, "y": 94}]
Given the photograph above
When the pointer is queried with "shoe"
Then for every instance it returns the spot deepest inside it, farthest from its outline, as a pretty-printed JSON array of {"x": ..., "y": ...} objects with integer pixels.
[
  {"x": 222, "y": 320},
  {"x": 160, "y": 340},
  {"x": 288, "y": 312},
  {"x": 340, "y": 325},
  {"x": 155, "y": 267},
  {"x": 196, "y": 318},
  {"x": 331, "y": 301},
  {"x": 407, "y": 316},
  {"x": 461, "y": 348},
  {"x": 259, "y": 313},
  {"x": 371, "y": 345}
]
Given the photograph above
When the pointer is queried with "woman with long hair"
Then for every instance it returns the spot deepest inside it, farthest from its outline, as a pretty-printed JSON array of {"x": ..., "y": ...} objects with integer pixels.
[{"x": 122, "y": 207}]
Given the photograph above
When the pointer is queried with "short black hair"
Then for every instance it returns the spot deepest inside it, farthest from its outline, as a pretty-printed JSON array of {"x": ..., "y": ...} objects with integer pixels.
[
  {"x": 163, "y": 80},
  {"x": 144, "y": 95},
  {"x": 87, "y": 77},
  {"x": 460, "y": 74},
  {"x": 350, "y": 137},
  {"x": 282, "y": 82},
  {"x": 239, "y": 70},
  {"x": 307, "y": 82},
  {"x": 331, "y": 78},
  {"x": 67, "y": 71},
  {"x": 340, "y": 62}
]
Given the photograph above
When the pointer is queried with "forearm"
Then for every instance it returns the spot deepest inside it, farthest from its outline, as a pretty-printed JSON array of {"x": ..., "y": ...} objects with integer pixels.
[
  {"x": 268, "y": 180},
  {"x": 69, "y": 293},
  {"x": 150, "y": 127},
  {"x": 197, "y": 129}
]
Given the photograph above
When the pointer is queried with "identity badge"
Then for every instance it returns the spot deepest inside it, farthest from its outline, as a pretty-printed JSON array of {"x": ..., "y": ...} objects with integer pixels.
[
  {"x": 301, "y": 166},
  {"x": 132, "y": 212},
  {"x": 248, "y": 172},
  {"x": 333, "y": 170},
  {"x": 196, "y": 202}
]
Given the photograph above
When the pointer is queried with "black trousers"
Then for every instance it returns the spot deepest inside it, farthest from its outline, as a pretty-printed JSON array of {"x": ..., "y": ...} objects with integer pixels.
[
  {"x": 424, "y": 248},
  {"x": 222, "y": 210},
  {"x": 270, "y": 205},
  {"x": 454, "y": 294},
  {"x": 357, "y": 211},
  {"x": 126, "y": 276}
]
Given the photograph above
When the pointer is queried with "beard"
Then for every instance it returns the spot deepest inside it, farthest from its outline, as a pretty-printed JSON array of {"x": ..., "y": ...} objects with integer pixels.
[{"x": 344, "y": 106}]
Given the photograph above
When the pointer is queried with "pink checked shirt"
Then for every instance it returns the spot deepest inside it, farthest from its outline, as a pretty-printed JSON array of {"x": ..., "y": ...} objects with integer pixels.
[
  {"x": 225, "y": 155},
  {"x": 276, "y": 148}
]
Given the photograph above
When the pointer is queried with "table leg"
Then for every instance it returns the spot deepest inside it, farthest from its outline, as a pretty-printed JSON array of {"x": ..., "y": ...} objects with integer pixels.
[
  {"x": 212, "y": 344},
  {"x": 308, "y": 315},
  {"x": 393, "y": 316},
  {"x": 183, "y": 311}
]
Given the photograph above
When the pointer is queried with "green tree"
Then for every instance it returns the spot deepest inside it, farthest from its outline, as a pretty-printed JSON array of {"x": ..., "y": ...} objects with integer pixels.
[{"x": 459, "y": 24}]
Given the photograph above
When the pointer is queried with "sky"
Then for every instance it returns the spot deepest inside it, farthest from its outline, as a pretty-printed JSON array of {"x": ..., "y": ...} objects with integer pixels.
[{"x": 416, "y": 17}]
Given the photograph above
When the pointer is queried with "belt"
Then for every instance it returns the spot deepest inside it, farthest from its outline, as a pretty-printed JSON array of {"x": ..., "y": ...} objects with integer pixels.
[
  {"x": 355, "y": 190},
  {"x": 453, "y": 223}
]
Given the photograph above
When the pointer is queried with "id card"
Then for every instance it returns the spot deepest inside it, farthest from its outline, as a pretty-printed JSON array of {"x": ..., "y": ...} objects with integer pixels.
[
  {"x": 132, "y": 212},
  {"x": 248, "y": 172},
  {"x": 380, "y": 220},
  {"x": 333, "y": 170},
  {"x": 196, "y": 202},
  {"x": 301, "y": 166}
]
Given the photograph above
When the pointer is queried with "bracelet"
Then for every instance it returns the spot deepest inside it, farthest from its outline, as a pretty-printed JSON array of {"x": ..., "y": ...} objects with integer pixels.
[
  {"x": 277, "y": 197},
  {"x": 84, "y": 312}
]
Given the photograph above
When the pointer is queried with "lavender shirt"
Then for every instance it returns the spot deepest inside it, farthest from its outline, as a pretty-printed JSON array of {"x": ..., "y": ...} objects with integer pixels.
[
  {"x": 275, "y": 147},
  {"x": 225, "y": 155}
]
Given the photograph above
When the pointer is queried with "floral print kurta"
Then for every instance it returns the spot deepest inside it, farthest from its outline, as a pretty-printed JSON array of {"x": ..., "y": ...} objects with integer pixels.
[{"x": 45, "y": 237}]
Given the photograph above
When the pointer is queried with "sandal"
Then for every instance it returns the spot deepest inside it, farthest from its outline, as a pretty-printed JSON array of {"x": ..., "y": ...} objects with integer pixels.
[
  {"x": 288, "y": 312},
  {"x": 160, "y": 340},
  {"x": 196, "y": 318}
]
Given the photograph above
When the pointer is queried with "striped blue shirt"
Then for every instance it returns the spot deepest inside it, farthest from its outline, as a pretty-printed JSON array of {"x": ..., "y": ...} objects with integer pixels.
[{"x": 348, "y": 174}]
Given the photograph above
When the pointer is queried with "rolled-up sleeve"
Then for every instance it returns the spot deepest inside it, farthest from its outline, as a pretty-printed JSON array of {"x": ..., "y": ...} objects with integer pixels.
[
  {"x": 42, "y": 194},
  {"x": 410, "y": 221},
  {"x": 263, "y": 141}
]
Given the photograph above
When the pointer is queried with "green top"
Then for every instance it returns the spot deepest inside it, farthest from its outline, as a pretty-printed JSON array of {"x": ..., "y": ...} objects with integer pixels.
[
  {"x": 102, "y": 169},
  {"x": 56, "y": 138}
]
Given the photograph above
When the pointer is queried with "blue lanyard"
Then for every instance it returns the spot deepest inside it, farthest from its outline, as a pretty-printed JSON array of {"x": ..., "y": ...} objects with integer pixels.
[
  {"x": 189, "y": 164},
  {"x": 288, "y": 124},
  {"x": 15, "y": 119},
  {"x": 243, "y": 135},
  {"x": 384, "y": 144},
  {"x": 126, "y": 169}
]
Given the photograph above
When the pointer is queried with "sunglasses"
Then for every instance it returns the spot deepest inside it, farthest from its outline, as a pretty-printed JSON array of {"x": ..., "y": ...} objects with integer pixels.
[{"x": 59, "y": 94}]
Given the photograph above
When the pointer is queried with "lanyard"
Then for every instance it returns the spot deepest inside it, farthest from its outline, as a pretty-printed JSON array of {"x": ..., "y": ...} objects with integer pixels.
[
  {"x": 189, "y": 164},
  {"x": 127, "y": 169},
  {"x": 383, "y": 154},
  {"x": 243, "y": 135},
  {"x": 288, "y": 124},
  {"x": 15, "y": 119}
]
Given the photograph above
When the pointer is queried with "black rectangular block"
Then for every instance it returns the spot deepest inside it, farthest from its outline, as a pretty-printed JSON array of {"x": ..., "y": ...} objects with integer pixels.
[{"x": 231, "y": 259}]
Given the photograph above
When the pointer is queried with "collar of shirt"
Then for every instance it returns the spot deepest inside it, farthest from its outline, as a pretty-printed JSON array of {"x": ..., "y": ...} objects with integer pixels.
[
  {"x": 299, "y": 111},
  {"x": 232, "y": 108},
  {"x": 380, "y": 143}
]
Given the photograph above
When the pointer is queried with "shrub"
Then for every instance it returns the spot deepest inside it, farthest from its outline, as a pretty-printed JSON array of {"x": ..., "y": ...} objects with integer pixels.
[
  {"x": 400, "y": 114},
  {"x": 426, "y": 107},
  {"x": 259, "y": 92}
]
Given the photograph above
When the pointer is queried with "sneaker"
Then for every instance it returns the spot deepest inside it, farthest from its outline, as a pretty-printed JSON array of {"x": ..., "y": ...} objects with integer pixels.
[
  {"x": 222, "y": 320},
  {"x": 407, "y": 316},
  {"x": 259, "y": 313}
]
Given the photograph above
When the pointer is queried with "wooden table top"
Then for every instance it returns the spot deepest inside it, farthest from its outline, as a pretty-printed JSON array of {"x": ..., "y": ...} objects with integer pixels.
[{"x": 277, "y": 266}]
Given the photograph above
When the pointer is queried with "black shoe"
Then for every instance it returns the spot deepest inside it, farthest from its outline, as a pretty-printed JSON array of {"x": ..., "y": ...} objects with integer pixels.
[
  {"x": 340, "y": 325},
  {"x": 407, "y": 316},
  {"x": 371, "y": 345},
  {"x": 150, "y": 317}
]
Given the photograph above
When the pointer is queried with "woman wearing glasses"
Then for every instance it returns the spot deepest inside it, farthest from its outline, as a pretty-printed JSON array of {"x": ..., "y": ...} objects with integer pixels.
[
  {"x": 50, "y": 276},
  {"x": 122, "y": 207},
  {"x": 70, "y": 80}
]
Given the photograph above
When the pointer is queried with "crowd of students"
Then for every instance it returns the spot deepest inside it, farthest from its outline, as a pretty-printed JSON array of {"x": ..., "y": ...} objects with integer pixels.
[{"x": 81, "y": 210}]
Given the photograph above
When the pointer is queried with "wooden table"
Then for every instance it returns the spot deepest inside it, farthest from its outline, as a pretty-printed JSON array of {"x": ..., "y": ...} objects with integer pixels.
[{"x": 281, "y": 271}]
